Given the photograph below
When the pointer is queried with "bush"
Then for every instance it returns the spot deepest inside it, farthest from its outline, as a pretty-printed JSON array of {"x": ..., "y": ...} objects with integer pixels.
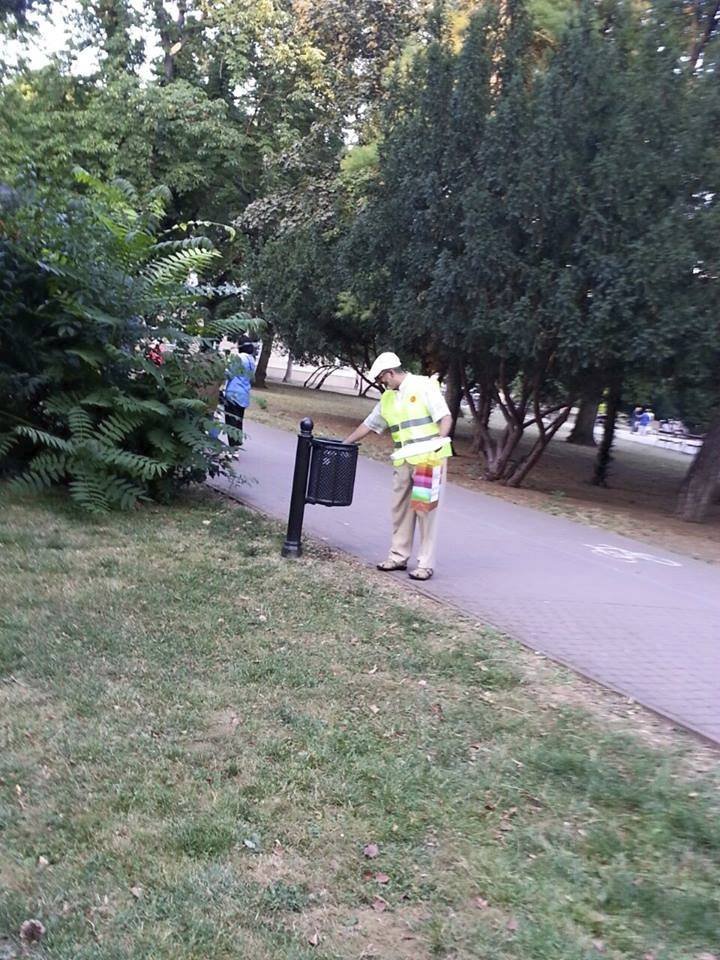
[{"x": 85, "y": 289}]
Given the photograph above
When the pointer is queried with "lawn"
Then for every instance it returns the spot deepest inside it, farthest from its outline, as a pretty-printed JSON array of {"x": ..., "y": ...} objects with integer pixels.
[{"x": 210, "y": 752}]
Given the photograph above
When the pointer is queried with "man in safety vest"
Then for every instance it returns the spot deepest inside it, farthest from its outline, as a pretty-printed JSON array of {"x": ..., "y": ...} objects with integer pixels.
[{"x": 415, "y": 412}]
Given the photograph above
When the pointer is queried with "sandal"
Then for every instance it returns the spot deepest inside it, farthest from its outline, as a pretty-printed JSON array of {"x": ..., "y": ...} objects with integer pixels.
[
  {"x": 389, "y": 565},
  {"x": 422, "y": 573}
]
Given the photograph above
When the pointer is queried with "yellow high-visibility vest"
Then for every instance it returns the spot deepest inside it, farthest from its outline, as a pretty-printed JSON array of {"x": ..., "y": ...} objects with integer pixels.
[{"x": 416, "y": 436}]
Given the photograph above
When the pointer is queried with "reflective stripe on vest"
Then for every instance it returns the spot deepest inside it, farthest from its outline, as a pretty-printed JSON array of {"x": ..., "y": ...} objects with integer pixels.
[
  {"x": 405, "y": 425},
  {"x": 414, "y": 432}
]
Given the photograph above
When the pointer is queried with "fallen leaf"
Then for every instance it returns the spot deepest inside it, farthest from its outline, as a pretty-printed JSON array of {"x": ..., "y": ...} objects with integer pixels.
[
  {"x": 379, "y": 904},
  {"x": 437, "y": 710},
  {"x": 599, "y": 945},
  {"x": 382, "y": 878},
  {"x": 649, "y": 956},
  {"x": 43, "y": 861},
  {"x": 31, "y": 931},
  {"x": 371, "y": 850},
  {"x": 481, "y": 903},
  {"x": 137, "y": 892},
  {"x": 374, "y": 709},
  {"x": 314, "y": 940},
  {"x": 374, "y": 670},
  {"x": 512, "y": 924}
]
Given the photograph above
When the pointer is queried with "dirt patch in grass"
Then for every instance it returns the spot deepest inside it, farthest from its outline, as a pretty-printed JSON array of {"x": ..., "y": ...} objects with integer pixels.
[
  {"x": 639, "y": 503},
  {"x": 279, "y": 866},
  {"x": 367, "y": 933}
]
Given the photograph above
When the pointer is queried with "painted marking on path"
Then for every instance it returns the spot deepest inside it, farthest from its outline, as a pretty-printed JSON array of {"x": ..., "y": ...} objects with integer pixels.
[{"x": 629, "y": 556}]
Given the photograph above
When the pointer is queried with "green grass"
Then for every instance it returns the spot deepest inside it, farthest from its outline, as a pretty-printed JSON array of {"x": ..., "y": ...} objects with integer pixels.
[{"x": 197, "y": 739}]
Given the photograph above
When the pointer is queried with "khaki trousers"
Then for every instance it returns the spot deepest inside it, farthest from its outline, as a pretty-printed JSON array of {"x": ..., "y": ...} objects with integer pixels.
[{"x": 404, "y": 519}]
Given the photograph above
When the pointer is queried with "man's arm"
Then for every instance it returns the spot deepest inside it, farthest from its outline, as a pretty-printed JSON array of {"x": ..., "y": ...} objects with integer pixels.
[
  {"x": 439, "y": 410},
  {"x": 357, "y": 434},
  {"x": 445, "y": 425},
  {"x": 373, "y": 423}
]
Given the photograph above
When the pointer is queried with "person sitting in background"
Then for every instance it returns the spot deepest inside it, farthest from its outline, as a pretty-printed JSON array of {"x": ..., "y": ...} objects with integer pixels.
[{"x": 236, "y": 392}]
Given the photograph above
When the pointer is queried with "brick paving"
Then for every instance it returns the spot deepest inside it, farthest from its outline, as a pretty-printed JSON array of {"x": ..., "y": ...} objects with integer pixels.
[{"x": 637, "y": 619}]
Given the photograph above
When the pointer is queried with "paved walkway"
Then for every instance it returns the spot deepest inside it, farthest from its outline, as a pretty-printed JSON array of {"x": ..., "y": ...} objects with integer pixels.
[{"x": 638, "y": 619}]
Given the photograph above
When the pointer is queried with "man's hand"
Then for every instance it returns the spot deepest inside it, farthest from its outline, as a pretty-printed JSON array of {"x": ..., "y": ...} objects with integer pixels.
[{"x": 357, "y": 434}]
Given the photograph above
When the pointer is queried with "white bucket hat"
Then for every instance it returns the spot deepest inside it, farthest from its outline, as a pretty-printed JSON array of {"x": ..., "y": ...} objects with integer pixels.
[{"x": 386, "y": 361}]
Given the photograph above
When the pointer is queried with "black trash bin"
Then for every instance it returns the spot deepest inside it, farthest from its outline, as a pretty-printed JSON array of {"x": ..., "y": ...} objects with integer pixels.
[{"x": 332, "y": 472}]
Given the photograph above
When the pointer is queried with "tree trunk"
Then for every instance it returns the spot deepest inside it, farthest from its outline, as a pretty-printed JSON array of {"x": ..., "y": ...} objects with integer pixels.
[
  {"x": 546, "y": 434},
  {"x": 171, "y": 35},
  {"x": 454, "y": 392},
  {"x": 288, "y": 369},
  {"x": 496, "y": 453},
  {"x": 583, "y": 432},
  {"x": 602, "y": 463},
  {"x": 702, "y": 481},
  {"x": 260, "y": 381},
  {"x": 707, "y": 24}
]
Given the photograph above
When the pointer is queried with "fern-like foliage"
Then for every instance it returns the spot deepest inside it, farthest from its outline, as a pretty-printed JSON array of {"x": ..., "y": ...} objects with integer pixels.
[
  {"x": 178, "y": 266},
  {"x": 82, "y": 401},
  {"x": 44, "y": 439},
  {"x": 7, "y": 441},
  {"x": 239, "y": 324},
  {"x": 189, "y": 243}
]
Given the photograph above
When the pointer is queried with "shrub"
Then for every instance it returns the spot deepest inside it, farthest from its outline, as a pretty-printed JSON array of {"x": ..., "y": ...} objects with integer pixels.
[{"x": 86, "y": 288}]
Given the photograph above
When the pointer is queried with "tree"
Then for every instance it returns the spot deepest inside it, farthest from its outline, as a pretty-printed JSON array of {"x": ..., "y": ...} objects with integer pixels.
[
  {"x": 13, "y": 13},
  {"x": 514, "y": 231},
  {"x": 445, "y": 228}
]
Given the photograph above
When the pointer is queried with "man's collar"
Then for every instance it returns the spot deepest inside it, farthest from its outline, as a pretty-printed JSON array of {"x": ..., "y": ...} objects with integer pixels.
[{"x": 406, "y": 384}]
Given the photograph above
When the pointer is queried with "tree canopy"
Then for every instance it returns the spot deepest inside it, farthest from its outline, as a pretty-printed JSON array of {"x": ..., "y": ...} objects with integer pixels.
[{"x": 522, "y": 196}]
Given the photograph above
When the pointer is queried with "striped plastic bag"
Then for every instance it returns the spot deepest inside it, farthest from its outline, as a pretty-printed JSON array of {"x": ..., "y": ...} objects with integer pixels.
[{"x": 427, "y": 480}]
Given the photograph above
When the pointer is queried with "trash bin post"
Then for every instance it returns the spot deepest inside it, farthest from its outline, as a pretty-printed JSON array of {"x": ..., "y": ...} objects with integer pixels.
[{"x": 293, "y": 546}]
